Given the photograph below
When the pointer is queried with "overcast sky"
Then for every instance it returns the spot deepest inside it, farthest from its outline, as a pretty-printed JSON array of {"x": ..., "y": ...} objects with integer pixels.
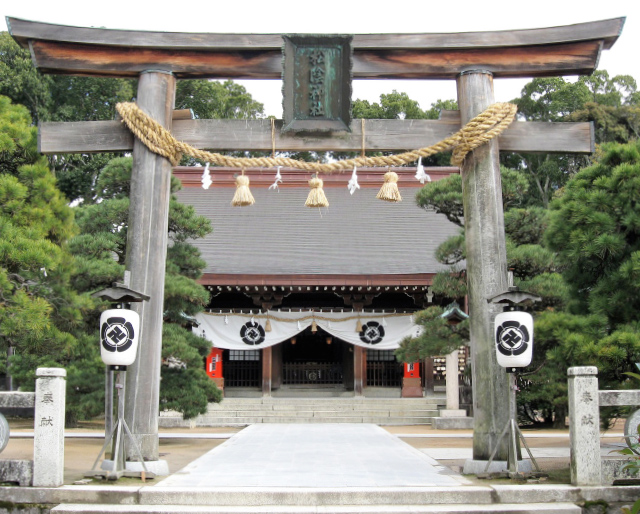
[{"x": 349, "y": 17}]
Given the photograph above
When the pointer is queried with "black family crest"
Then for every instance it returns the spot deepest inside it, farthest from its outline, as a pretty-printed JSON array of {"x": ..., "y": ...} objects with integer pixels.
[
  {"x": 252, "y": 333},
  {"x": 512, "y": 338},
  {"x": 117, "y": 334},
  {"x": 372, "y": 332}
]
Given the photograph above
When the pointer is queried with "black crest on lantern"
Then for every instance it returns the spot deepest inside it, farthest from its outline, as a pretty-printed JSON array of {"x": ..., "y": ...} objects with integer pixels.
[
  {"x": 512, "y": 338},
  {"x": 116, "y": 335}
]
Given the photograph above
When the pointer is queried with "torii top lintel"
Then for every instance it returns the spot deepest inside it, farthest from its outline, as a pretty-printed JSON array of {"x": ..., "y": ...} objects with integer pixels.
[{"x": 565, "y": 50}]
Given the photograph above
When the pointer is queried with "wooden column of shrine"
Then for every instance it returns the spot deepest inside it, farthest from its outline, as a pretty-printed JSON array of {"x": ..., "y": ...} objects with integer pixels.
[
  {"x": 428, "y": 376},
  {"x": 267, "y": 369},
  {"x": 359, "y": 370}
]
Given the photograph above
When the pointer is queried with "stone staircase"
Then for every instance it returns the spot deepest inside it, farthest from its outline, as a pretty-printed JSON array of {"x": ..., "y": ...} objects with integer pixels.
[
  {"x": 246, "y": 411},
  {"x": 379, "y": 500}
]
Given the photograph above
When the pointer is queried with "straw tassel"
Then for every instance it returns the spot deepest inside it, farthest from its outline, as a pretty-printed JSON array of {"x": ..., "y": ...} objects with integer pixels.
[
  {"x": 389, "y": 191},
  {"x": 316, "y": 196},
  {"x": 243, "y": 195},
  {"x": 314, "y": 327},
  {"x": 267, "y": 325},
  {"x": 359, "y": 326}
]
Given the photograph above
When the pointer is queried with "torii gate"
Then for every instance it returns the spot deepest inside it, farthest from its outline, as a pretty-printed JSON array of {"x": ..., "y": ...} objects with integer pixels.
[{"x": 473, "y": 59}]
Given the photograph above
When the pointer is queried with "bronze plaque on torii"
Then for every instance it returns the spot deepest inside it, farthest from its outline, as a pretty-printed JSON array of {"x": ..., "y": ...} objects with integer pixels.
[{"x": 317, "y": 83}]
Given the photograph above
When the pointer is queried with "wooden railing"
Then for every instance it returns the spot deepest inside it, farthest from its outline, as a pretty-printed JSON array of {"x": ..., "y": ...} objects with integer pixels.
[
  {"x": 242, "y": 373},
  {"x": 384, "y": 374}
]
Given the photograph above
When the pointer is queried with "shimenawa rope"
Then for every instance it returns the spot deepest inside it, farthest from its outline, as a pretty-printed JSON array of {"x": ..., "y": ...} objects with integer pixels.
[{"x": 484, "y": 127}]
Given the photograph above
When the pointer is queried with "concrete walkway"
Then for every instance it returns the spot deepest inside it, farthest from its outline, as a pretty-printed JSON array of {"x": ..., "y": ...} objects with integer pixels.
[{"x": 322, "y": 455}]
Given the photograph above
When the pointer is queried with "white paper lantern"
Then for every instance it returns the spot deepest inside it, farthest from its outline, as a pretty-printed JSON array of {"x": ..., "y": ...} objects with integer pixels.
[
  {"x": 514, "y": 339},
  {"x": 119, "y": 336}
]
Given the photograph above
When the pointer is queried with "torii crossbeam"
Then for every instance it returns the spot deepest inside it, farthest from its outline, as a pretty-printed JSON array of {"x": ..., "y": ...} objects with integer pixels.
[{"x": 472, "y": 59}]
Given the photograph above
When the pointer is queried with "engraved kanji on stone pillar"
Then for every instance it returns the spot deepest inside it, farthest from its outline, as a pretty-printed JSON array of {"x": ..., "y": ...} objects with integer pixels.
[
  {"x": 48, "y": 442},
  {"x": 584, "y": 421}
]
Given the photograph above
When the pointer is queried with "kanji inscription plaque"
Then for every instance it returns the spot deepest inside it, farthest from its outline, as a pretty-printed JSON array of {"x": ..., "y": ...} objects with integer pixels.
[{"x": 317, "y": 83}]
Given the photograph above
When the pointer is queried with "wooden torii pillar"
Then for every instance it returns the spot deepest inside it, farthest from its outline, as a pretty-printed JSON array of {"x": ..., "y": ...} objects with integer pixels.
[{"x": 473, "y": 59}]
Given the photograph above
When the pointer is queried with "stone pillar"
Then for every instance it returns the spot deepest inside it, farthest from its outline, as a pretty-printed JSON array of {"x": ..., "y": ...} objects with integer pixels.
[
  {"x": 584, "y": 425},
  {"x": 452, "y": 381},
  {"x": 146, "y": 259},
  {"x": 48, "y": 424},
  {"x": 486, "y": 269},
  {"x": 267, "y": 367}
]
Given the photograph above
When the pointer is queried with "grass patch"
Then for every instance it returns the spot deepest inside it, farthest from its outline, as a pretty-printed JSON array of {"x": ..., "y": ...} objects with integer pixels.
[{"x": 559, "y": 476}]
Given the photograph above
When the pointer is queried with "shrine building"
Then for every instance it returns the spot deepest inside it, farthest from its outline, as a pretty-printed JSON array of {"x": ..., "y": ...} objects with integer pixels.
[{"x": 315, "y": 301}]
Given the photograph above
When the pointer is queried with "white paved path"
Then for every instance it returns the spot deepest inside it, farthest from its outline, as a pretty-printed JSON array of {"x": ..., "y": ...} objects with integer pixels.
[{"x": 308, "y": 455}]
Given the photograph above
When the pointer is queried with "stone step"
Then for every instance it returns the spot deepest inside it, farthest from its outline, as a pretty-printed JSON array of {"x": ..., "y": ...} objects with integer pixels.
[
  {"x": 326, "y": 407},
  {"x": 321, "y": 413},
  {"x": 349, "y": 400},
  {"x": 323, "y": 408},
  {"x": 248, "y": 420},
  {"x": 496, "y": 496},
  {"x": 244, "y": 411},
  {"x": 510, "y": 508}
]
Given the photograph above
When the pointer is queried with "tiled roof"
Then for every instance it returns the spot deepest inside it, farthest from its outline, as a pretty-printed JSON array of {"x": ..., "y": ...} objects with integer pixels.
[{"x": 280, "y": 236}]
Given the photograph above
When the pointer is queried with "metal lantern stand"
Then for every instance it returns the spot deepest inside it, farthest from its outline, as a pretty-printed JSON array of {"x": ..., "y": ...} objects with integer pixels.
[
  {"x": 513, "y": 432},
  {"x": 119, "y": 430},
  {"x": 512, "y": 297},
  {"x": 122, "y": 296}
]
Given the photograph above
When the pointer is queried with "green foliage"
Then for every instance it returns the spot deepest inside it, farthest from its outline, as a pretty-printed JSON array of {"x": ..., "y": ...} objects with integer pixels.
[
  {"x": 551, "y": 99},
  {"x": 529, "y": 260},
  {"x": 526, "y": 225},
  {"x": 19, "y": 80},
  {"x": 211, "y": 99},
  {"x": 437, "y": 337},
  {"x": 185, "y": 386},
  {"x": 100, "y": 252},
  {"x": 392, "y": 106},
  {"x": 559, "y": 338},
  {"x": 451, "y": 283},
  {"x": 34, "y": 222},
  {"x": 46, "y": 314},
  {"x": 88, "y": 98},
  {"x": 618, "y": 124},
  {"x": 40, "y": 314},
  {"x": 550, "y": 287},
  {"x": 452, "y": 250},
  {"x": 563, "y": 340},
  {"x": 611, "y": 103},
  {"x": 515, "y": 187},
  {"x": 398, "y": 106},
  {"x": 187, "y": 391},
  {"x": 445, "y": 197},
  {"x": 595, "y": 228},
  {"x": 62, "y": 98}
]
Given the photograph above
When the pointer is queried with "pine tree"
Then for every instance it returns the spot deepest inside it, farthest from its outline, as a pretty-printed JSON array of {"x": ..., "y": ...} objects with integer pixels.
[
  {"x": 100, "y": 252},
  {"x": 39, "y": 313}
]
